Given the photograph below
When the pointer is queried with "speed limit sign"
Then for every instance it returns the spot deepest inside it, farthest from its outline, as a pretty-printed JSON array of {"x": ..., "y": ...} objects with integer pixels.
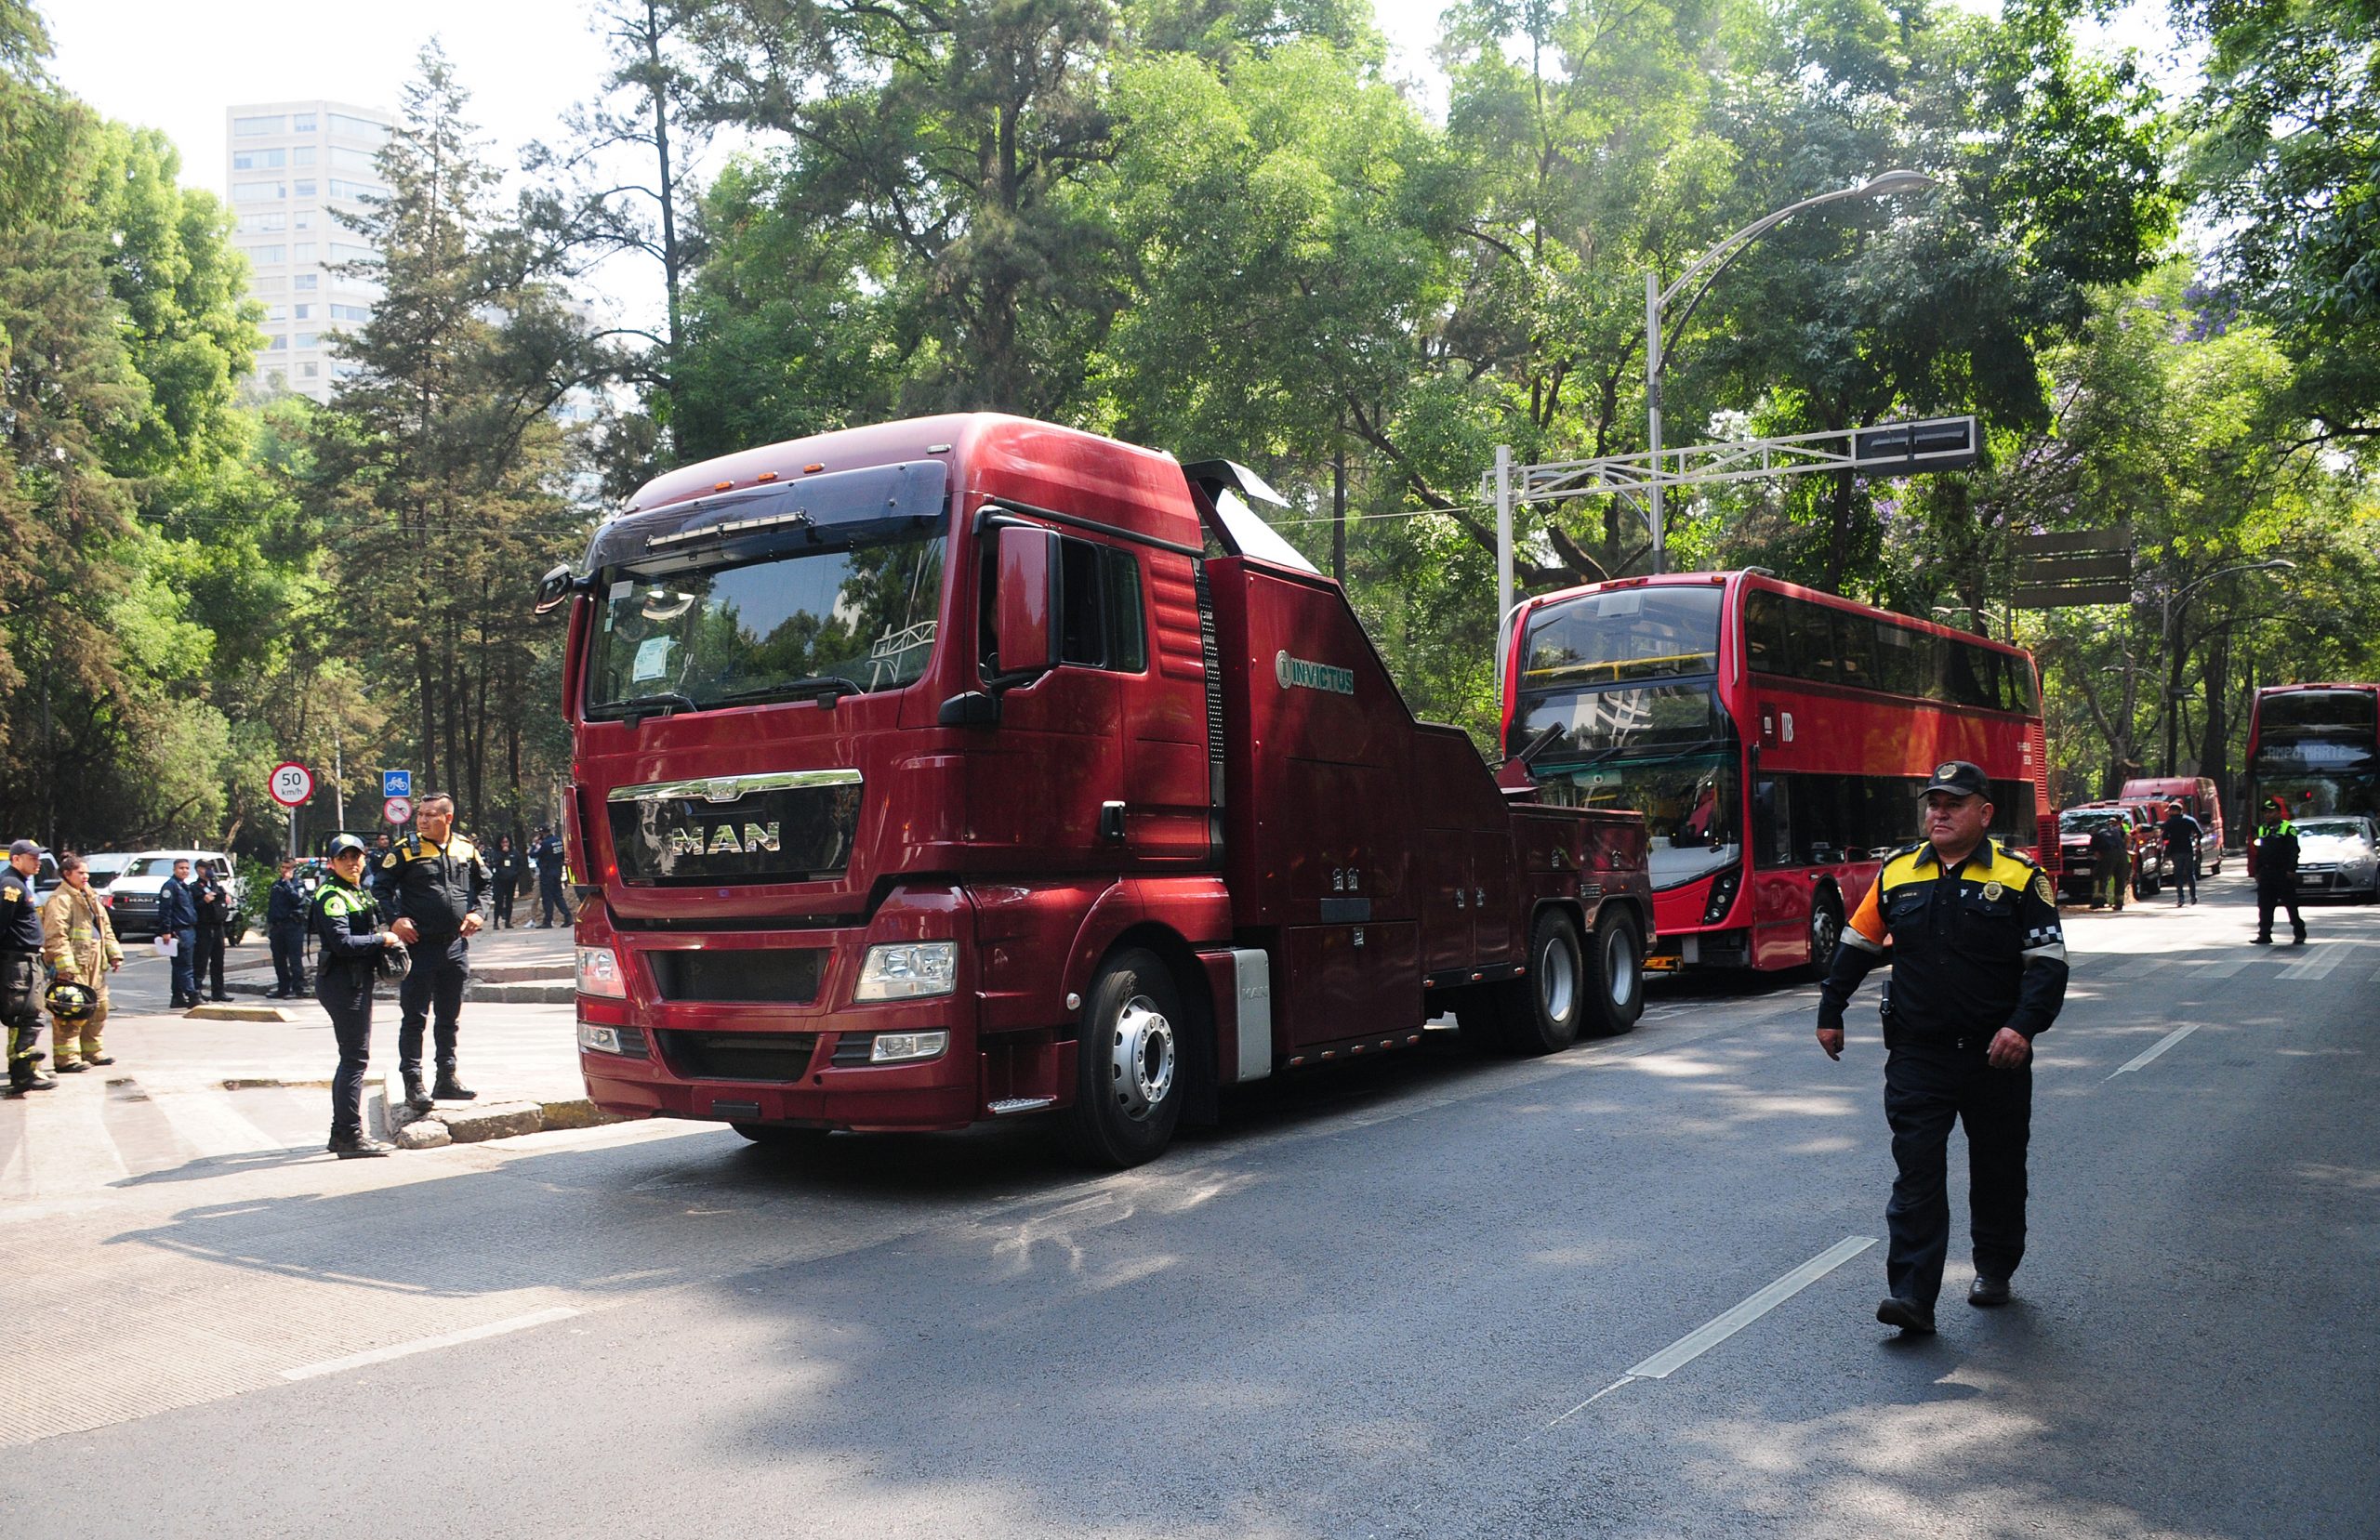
[{"x": 291, "y": 784}]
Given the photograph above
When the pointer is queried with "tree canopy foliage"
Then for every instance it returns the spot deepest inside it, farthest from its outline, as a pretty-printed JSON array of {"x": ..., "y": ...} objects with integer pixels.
[{"x": 1221, "y": 228}]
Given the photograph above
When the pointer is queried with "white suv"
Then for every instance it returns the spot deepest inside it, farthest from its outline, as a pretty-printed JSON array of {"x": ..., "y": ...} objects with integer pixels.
[{"x": 132, "y": 897}]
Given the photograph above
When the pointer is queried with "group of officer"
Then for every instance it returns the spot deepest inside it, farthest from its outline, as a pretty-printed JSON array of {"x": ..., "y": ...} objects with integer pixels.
[
  {"x": 70, "y": 937},
  {"x": 413, "y": 923}
]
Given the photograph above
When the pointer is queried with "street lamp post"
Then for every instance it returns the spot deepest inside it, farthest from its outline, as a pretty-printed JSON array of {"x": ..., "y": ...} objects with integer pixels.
[
  {"x": 1707, "y": 267},
  {"x": 2165, "y": 638}
]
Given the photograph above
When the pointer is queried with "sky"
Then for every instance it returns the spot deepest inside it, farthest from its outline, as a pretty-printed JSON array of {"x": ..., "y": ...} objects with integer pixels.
[{"x": 177, "y": 64}]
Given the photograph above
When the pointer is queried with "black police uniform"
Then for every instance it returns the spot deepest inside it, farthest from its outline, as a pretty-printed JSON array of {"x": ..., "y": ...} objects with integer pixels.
[
  {"x": 504, "y": 871},
  {"x": 1974, "y": 950},
  {"x": 2181, "y": 855},
  {"x": 346, "y": 922},
  {"x": 2277, "y": 877},
  {"x": 434, "y": 886},
  {"x": 284, "y": 924},
  {"x": 213, "y": 902},
  {"x": 20, "y": 979}
]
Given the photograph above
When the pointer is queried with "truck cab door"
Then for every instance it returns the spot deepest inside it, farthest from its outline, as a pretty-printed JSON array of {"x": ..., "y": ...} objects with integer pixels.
[{"x": 1049, "y": 785}]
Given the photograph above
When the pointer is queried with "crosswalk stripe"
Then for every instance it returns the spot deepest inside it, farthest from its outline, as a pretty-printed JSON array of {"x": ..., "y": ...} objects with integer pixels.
[
  {"x": 66, "y": 1138},
  {"x": 2227, "y": 968},
  {"x": 2320, "y": 962},
  {"x": 2139, "y": 967},
  {"x": 210, "y": 1125}
]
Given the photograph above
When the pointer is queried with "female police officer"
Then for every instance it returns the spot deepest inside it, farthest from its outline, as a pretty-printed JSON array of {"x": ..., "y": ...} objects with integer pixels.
[{"x": 346, "y": 920}]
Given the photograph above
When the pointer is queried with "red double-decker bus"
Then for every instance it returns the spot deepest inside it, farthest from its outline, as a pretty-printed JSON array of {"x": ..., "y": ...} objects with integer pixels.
[
  {"x": 1774, "y": 738},
  {"x": 2317, "y": 747}
]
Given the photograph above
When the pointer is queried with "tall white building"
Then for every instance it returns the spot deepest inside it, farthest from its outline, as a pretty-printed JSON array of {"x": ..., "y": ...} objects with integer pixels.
[{"x": 293, "y": 164}]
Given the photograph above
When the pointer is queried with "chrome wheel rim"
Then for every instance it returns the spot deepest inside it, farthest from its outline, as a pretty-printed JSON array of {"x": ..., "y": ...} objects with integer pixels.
[
  {"x": 1142, "y": 1058},
  {"x": 1618, "y": 968},
  {"x": 1557, "y": 980}
]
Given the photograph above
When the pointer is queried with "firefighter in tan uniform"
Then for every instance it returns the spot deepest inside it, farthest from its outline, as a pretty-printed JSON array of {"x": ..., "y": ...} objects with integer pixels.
[{"x": 78, "y": 942}]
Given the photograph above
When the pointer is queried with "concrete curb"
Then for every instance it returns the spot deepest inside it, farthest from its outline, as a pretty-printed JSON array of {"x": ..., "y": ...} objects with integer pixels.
[
  {"x": 474, "y": 1122},
  {"x": 545, "y": 988},
  {"x": 221, "y": 1011}
]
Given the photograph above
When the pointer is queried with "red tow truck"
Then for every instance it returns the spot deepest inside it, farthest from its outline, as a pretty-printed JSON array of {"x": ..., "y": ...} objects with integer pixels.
[{"x": 972, "y": 766}]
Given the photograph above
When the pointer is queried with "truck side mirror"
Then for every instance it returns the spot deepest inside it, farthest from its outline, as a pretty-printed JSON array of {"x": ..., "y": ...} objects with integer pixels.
[
  {"x": 1025, "y": 600},
  {"x": 554, "y": 587}
]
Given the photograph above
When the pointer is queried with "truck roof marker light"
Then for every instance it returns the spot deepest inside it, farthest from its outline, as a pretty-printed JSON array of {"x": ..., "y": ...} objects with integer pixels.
[
  {"x": 937, "y": 449},
  {"x": 811, "y": 470},
  {"x": 722, "y": 486},
  {"x": 766, "y": 475}
]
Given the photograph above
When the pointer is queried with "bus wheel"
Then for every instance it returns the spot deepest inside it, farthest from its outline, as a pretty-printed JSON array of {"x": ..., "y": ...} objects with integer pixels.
[
  {"x": 1616, "y": 980},
  {"x": 781, "y": 1135},
  {"x": 1127, "y": 1065},
  {"x": 1541, "y": 1012},
  {"x": 1826, "y": 930}
]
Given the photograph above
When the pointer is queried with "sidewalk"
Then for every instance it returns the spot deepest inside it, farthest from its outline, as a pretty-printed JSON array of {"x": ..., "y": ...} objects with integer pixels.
[{"x": 197, "y": 1096}]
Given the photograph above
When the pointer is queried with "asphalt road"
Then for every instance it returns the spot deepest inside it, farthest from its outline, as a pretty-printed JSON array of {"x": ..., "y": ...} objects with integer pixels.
[{"x": 1372, "y": 1304}]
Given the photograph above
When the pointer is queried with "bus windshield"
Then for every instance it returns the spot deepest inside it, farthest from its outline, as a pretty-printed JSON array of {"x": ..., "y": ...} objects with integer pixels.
[
  {"x": 1647, "y": 633},
  {"x": 1692, "y": 805}
]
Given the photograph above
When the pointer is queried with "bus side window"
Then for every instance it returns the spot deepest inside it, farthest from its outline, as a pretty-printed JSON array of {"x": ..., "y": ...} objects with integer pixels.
[
  {"x": 1813, "y": 631},
  {"x": 1766, "y": 642},
  {"x": 1855, "y": 650},
  {"x": 1772, "y": 824},
  {"x": 1897, "y": 660}
]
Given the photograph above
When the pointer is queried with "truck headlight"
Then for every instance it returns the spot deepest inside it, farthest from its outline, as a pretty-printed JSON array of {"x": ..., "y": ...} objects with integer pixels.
[
  {"x": 599, "y": 973},
  {"x": 629, "y": 1042},
  {"x": 909, "y": 970},
  {"x": 901, "y": 1047}
]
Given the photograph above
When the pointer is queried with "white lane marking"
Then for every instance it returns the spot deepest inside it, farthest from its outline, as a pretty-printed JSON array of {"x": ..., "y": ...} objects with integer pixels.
[
  {"x": 1700, "y": 1341},
  {"x": 2318, "y": 963},
  {"x": 212, "y": 1126},
  {"x": 67, "y": 1142},
  {"x": 431, "y": 1343},
  {"x": 2142, "y": 1058}
]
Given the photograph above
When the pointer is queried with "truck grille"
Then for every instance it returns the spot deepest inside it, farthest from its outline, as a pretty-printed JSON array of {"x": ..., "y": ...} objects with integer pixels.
[
  {"x": 793, "y": 826},
  {"x": 745, "y": 975},
  {"x": 778, "y": 1056}
]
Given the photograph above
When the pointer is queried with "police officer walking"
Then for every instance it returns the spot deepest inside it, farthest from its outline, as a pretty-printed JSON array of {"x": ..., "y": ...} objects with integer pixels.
[
  {"x": 285, "y": 926},
  {"x": 78, "y": 939},
  {"x": 1978, "y": 963},
  {"x": 346, "y": 920},
  {"x": 2275, "y": 855},
  {"x": 432, "y": 883},
  {"x": 20, "y": 972},
  {"x": 2181, "y": 855}
]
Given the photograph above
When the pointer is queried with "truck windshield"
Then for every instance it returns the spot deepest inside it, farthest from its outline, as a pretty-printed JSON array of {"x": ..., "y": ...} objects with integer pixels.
[
  {"x": 1692, "y": 805},
  {"x": 854, "y": 619}
]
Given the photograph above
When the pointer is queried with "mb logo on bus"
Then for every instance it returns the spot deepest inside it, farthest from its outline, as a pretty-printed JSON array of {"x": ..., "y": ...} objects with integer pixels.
[{"x": 722, "y": 841}]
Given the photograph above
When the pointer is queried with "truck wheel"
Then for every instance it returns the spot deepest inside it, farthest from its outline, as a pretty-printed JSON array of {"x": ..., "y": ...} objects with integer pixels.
[
  {"x": 1541, "y": 1012},
  {"x": 781, "y": 1135},
  {"x": 1127, "y": 1065},
  {"x": 1616, "y": 980}
]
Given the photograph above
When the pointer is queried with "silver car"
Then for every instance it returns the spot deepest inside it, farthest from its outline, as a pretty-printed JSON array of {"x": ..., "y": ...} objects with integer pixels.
[{"x": 2338, "y": 856}]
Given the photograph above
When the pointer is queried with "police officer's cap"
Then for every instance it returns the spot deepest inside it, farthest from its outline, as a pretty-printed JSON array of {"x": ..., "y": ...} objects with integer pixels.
[
  {"x": 24, "y": 848},
  {"x": 345, "y": 843},
  {"x": 1957, "y": 777}
]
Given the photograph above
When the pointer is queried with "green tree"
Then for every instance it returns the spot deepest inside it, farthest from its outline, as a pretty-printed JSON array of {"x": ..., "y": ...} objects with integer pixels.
[{"x": 440, "y": 466}]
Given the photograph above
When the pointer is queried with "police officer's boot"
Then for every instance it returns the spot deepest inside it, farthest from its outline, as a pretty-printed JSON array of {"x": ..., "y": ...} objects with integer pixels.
[
  {"x": 25, "y": 1076},
  {"x": 449, "y": 1088},
  {"x": 416, "y": 1098},
  {"x": 357, "y": 1146}
]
